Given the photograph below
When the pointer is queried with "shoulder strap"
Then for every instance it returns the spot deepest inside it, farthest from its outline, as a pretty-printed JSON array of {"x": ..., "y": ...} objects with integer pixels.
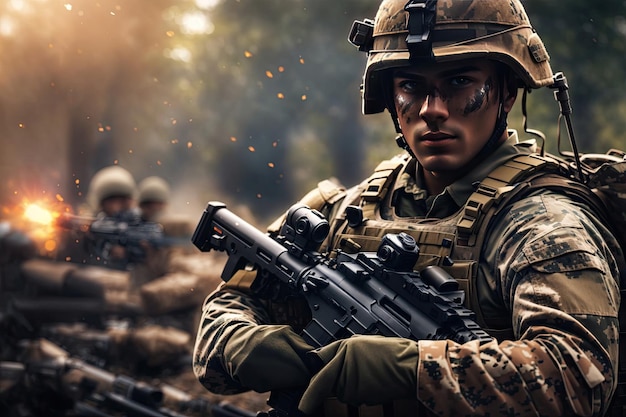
[
  {"x": 375, "y": 188},
  {"x": 504, "y": 181}
]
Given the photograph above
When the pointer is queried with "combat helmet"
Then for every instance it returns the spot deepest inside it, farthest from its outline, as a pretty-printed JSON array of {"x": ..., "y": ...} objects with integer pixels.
[
  {"x": 405, "y": 33},
  {"x": 153, "y": 190},
  {"x": 112, "y": 181}
]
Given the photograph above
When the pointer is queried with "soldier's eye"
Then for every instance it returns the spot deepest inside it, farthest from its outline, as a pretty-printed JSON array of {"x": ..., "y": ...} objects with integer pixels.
[
  {"x": 460, "y": 81},
  {"x": 412, "y": 87}
]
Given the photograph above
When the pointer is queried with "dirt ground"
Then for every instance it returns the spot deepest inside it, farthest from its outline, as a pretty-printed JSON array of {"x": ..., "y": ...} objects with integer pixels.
[{"x": 210, "y": 266}]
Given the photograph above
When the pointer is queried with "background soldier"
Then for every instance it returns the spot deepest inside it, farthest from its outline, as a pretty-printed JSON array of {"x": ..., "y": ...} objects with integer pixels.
[
  {"x": 154, "y": 197},
  {"x": 542, "y": 277},
  {"x": 112, "y": 190},
  {"x": 111, "y": 195}
]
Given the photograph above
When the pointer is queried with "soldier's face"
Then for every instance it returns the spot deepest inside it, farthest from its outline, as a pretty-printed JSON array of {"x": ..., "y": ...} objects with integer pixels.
[
  {"x": 447, "y": 112},
  {"x": 115, "y": 205}
]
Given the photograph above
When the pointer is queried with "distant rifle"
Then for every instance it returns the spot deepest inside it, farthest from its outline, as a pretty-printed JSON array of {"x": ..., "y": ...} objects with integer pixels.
[
  {"x": 126, "y": 229},
  {"x": 367, "y": 293},
  {"x": 49, "y": 373}
]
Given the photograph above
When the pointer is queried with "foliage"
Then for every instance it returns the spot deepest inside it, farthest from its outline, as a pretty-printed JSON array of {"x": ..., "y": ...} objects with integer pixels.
[{"x": 254, "y": 104}]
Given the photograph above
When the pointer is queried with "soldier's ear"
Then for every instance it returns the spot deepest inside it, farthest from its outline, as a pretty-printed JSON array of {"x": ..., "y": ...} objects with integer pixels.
[
  {"x": 510, "y": 95},
  {"x": 511, "y": 87}
]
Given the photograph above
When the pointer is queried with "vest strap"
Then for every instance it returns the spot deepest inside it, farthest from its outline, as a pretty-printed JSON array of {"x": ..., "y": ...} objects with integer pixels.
[{"x": 491, "y": 190}]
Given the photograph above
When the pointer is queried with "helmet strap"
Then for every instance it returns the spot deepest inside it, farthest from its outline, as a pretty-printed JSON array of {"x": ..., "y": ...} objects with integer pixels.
[
  {"x": 391, "y": 107},
  {"x": 498, "y": 130}
]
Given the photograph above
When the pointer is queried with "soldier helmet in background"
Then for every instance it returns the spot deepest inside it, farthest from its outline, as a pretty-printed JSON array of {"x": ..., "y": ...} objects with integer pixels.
[
  {"x": 407, "y": 33},
  {"x": 112, "y": 181},
  {"x": 153, "y": 190}
]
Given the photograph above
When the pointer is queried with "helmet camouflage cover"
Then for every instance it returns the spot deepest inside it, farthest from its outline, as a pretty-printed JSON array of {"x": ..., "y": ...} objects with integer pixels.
[{"x": 406, "y": 33}]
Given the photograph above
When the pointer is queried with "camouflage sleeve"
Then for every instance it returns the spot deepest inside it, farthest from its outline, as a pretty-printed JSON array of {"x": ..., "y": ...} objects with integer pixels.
[
  {"x": 555, "y": 276},
  {"x": 224, "y": 311}
]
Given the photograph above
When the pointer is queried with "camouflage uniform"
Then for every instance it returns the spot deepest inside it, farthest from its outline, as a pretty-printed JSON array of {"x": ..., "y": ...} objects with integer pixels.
[
  {"x": 546, "y": 268},
  {"x": 545, "y": 282}
]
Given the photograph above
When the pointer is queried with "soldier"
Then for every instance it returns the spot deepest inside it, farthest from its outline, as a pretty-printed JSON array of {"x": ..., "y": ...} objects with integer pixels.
[
  {"x": 154, "y": 196},
  {"x": 112, "y": 190},
  {"x": 111, "y": 194},
  {"x": 541, "y": 275}
]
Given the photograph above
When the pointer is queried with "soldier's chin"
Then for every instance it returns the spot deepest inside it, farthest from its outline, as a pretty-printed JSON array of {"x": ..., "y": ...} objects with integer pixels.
[{"x": 440, "y": 165}]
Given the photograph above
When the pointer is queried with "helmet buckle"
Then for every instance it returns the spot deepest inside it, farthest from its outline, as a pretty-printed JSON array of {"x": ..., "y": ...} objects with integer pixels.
[{"x": 420, "y": 25}]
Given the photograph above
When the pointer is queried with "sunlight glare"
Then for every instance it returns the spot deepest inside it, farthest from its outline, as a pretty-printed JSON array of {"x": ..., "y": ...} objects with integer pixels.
[
  {"x": 207, "y": 4},
  {"x": 18, "y": 5},
  {"x": 196, "y": 24},
  {"x": 179, "y": 54},
  {"x": 7, "y": 26}
]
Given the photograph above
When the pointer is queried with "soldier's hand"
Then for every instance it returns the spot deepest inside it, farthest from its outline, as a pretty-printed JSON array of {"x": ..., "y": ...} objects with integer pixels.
[
  {"x": 267, "y": 357},
  {"x": 363, "y": 369}
]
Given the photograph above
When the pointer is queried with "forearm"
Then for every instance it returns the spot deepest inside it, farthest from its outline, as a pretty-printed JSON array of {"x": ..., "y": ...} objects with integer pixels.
[
  {"x": 547, "y": 372},
  {"x": 552, "y": 274},
  {"x": 237, "y": 348},
  {"x": 224, "y": 312}
]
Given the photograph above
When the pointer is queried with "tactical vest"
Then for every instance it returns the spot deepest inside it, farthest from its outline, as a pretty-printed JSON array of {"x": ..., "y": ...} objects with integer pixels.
[{"x": 453, "y": 243}]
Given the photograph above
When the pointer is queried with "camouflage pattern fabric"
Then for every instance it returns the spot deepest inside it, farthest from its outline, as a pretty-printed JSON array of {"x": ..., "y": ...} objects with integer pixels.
[{"x": 546, "y": 266}]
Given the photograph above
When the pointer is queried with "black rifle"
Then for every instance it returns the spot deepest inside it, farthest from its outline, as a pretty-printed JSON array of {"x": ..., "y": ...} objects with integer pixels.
[
  {"x": 367, "y": 293},
  {"x": 125, "y": 229}
]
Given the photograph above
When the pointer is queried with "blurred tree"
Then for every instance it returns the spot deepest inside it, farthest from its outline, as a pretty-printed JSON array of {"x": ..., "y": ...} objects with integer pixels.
[
  {"x": 588, "y": 43},
  {"x": 281, "y": 86},
  {"x": 84, "y": 86}
]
